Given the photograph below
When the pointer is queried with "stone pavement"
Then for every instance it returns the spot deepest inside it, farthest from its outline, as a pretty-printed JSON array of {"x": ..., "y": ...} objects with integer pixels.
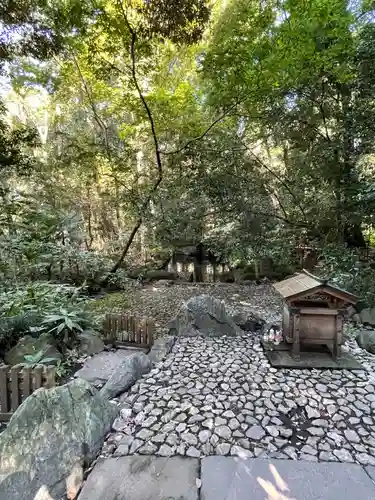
[
  {"x": 220, "y": 396},
  {"x": 225, "y": 478}
]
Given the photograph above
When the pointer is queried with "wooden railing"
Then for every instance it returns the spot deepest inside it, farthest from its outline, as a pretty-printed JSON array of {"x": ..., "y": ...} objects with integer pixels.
[
  {"x": 18, "y": 382},
  {"x": 123, "y": 330}
]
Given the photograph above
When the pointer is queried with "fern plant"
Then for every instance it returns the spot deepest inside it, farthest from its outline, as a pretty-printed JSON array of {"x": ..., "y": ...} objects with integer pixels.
[
  {"x": 65, "y": 324},
  {"x": 31, "y": 360}
]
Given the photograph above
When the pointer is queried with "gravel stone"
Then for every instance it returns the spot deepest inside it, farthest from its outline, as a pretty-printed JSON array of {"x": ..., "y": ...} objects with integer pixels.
[
  {"x": 343, "y": 455},
  {"x": 223, "y": 449},
  {"x": 256, "y": 433},
  {"x": 212, "y": 395},
  {"x": 223, "y": 431},
  {"x": 193, "y": 452},
  {"x": 204, "y": 436},
  {"x": 165, "y": 450},
  {"x": 352, "y": 436}
]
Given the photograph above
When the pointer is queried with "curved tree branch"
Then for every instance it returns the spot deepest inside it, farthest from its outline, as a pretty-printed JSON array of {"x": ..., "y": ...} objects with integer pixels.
[
  {"x": 199, "y": 137},
  {"x": 151, "y": 120}
]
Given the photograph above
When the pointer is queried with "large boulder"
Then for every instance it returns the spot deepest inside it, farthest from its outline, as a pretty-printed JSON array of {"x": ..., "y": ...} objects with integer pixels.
[
  {"x": 30, "y": 346},
  {"x": 366, "y": 340},
  {"x": 126, "y": 373},
  {"x": 367, "y": 316},
  {"x": 204, "y": 315},
  {"x": 90, "y": 343},
  {"x": 248, "y": 321},
  {"x": 54, "y": 432},
  {"x": 161, "y": 348},
  {"x": 99, "y": 368}
]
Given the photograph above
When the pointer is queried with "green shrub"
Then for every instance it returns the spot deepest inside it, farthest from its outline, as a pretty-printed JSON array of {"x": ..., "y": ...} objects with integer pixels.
[
  {"x": 342, "y": 267},
  {"x": 41, "y": 307}
]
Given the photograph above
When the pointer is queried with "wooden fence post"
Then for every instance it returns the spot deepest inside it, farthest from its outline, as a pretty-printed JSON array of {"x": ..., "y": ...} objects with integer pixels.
[
  {"x": 14, "y": 387},
  {"x": 4, "y": 393}
]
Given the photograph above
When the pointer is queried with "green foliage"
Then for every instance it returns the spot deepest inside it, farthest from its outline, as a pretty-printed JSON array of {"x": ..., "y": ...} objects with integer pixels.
[
  {"x": 16, "y": 144},
  {"x": 246, "y": 125},
  {"x": 65, "y": 324},
  {"x": 64, "y": 367},
  {"x": 112, "y": 302},
  {"x": 38, "y": 307},
  {"x": 31, "y": 360},
  {"x": 181, "y": 21},
  {"x": 343, "y": 267}
]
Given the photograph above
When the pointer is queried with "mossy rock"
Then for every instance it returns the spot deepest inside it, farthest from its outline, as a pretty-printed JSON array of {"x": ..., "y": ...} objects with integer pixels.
[
  {"x": 366, "y": 340},
  {"x": 90, "y": 343},
  {"x": 30, "y": 346}
]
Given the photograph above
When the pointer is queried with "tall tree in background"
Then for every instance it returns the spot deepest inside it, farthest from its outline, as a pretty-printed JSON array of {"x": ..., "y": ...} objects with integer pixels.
[{"x": 303, "y": 66}]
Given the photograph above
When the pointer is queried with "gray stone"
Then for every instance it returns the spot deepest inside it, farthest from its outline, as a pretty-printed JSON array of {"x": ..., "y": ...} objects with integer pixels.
[
  {"x": 145, "y": 434},
  {"x": 316, "y": 431},
  {"x": 233, "y": 424},
  {"x": 320, "y": 423},
  {"x": 367, "y": 316},
  {"x": 223, "y": 431},
  {"x": 272, "y": 430},
  {"x": 193, "y": 452},
  {"x": 223, "y": 449},
  {"x": 125, "y": 413},
  {"x": 119, "y": 425},
  {"x": 204, "y": 436},
  {"x": 189, "y": 438},
  {"x": 214, "y": 439},
  {"x": 136, "y": 444},
  {"x": 149, "y": 421},
  {"x": 161, "y": 348},
  {"x": 208, "y": 423},
  {"x": 255, "y": 432},
  {"x": 204, "y": 315},
  {"x": 159, "y": 438},
  {"x": 126, "y": 373},
  {"x": 227, "y": 478},
  {"x": 327, "y": 456},
  {"x": 48, "y": 435},
  {"x": 172, "y": 439},
  {"x": 165, "y": 450},
  {"x": 141, "y": 477},
  {"x": 90, "y": 343},
  {"x": 250, "y": 322},
  {"x": 312, "y": 412},
  {"x": 309, "y": 450},
  {"x": 285, "y": 432},
  {"x": 351, "y": 436},
  {"x": 229, "y": 414},
  {"x": 220, "y": 421},
  {"x": 240, "y": 452},
  {"x": 148, "y": 449},
  {"x": 365, "y": 459},
  {"x": 366, "y": 340},
  {"x": 98, "y": 369},
  {"x": 343, "y": 455}
]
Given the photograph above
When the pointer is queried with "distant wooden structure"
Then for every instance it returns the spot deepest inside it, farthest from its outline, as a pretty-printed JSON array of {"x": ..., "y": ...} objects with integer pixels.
[
  {"x": 313, "y": 312},
  {"x": 18, "y": 382},
  {"x": 121, "y": 330}
]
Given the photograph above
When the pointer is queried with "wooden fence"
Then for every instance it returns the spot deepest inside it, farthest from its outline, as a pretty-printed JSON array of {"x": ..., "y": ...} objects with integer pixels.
[
  {"x": 122, "y": 330},
  {"x": 18, "y": 382}
]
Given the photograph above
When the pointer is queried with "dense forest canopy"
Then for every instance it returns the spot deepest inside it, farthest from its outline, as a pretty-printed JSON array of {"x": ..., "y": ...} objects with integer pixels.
[{"x": 130, "y": 128}]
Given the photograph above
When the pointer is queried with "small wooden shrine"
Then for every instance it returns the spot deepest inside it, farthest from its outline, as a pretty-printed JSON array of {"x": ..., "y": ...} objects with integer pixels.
[{"x": 313, "y": 312}]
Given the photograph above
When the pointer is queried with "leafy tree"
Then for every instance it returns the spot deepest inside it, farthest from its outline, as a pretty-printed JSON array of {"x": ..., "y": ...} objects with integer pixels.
[{"x": 301, "y": 66}]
